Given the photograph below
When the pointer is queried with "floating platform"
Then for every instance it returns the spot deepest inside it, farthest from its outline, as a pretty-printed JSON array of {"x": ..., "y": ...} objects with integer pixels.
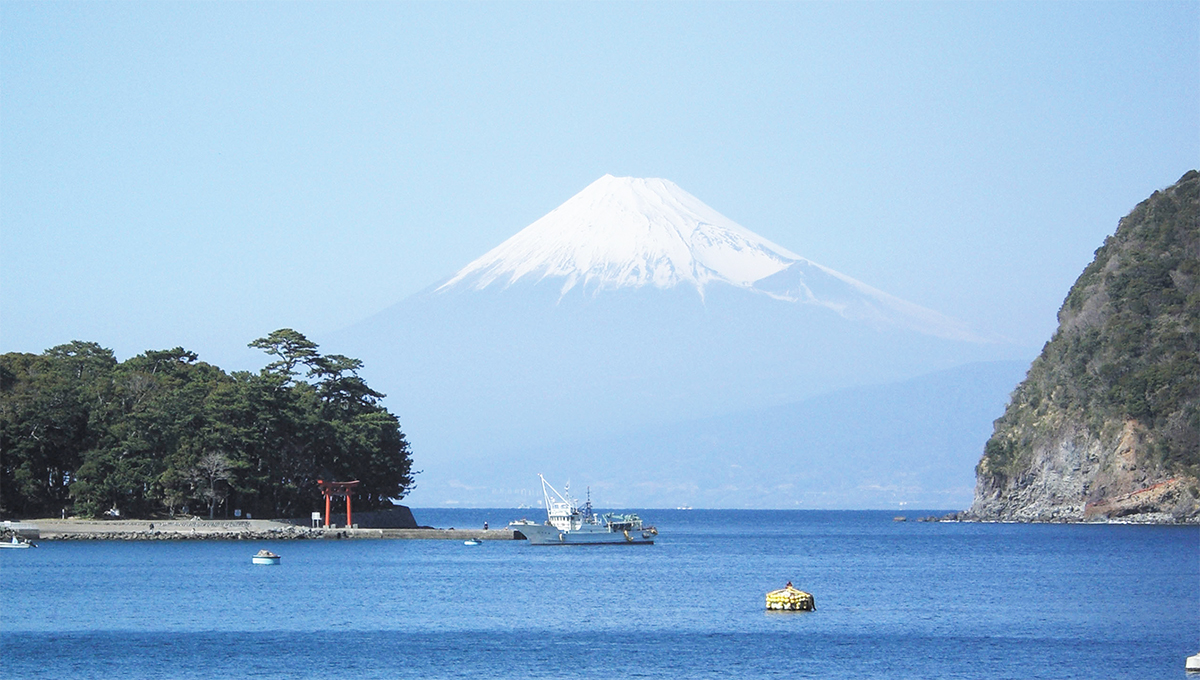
[{"x": 789, "y": 599}]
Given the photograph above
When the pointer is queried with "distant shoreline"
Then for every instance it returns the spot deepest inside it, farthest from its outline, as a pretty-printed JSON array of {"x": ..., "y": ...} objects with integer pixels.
[{"x": 197, "y": 529}]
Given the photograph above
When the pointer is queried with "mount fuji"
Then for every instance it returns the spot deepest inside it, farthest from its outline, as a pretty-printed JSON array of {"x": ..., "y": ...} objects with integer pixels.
[
  {"x": 630, "y": 307},
  {"x": 629, "y": 233}
]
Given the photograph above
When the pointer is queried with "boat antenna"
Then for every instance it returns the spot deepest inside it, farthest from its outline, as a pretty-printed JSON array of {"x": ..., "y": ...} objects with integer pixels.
[{"x": 587, "y": 507}]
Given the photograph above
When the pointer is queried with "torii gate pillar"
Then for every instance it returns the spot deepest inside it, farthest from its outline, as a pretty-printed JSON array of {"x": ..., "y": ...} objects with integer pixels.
[{"x": 331, "y": 489}]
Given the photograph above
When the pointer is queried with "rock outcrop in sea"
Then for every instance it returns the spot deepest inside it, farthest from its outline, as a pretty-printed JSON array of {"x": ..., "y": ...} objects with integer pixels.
[{"x": 1106, "y": 425}]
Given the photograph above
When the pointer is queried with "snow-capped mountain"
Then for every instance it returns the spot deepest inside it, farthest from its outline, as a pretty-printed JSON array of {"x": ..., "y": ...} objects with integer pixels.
[
  {"x": 631, "y": 306},
  {"x": 628, "y": 232}
]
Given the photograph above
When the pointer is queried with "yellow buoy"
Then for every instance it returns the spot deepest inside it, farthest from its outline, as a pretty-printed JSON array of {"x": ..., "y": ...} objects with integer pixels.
[{"x": 790, "y": 599}]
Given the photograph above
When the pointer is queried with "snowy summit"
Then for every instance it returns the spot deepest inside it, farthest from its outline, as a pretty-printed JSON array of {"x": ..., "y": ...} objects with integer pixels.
[{"x": 629, "y": 232}]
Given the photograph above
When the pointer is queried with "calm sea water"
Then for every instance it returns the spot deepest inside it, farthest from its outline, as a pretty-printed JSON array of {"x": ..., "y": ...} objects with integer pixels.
[{"x": 894, "y": 600}]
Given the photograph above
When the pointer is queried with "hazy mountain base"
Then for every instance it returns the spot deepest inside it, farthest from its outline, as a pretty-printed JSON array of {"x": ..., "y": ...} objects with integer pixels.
[
  {"x": 907, "y": 444},
  {"x": 1107, "y": 423}
]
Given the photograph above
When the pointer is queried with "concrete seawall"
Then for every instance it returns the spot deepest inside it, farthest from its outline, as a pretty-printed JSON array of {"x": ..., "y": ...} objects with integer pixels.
[{"x": 225, "y": 530}]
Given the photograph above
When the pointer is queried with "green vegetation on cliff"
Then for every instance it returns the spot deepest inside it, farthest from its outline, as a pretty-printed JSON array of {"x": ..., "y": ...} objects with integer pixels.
[
  {"x": 1125, "y": 358},
  {"x": 83, "y": 433}
]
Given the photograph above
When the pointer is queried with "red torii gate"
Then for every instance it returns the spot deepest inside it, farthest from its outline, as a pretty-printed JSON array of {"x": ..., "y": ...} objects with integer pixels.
[{"x": 331, "y": 489}]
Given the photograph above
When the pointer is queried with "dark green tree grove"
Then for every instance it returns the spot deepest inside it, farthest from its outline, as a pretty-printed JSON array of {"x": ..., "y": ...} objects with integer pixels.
[
  {"x": 83, "y": 433},
  {"x": 46, "y": 405}
]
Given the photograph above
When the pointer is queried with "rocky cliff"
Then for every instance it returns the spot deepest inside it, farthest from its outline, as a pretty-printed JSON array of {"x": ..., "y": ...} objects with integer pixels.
[{"x": 1106, "y": 425}]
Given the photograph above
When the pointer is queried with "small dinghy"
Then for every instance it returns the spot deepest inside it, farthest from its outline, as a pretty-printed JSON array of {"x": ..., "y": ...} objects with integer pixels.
[
  {"x": 472, "y": 541},
  {"x": 266, "y": 557},
  {"x": 18, "y": 542}
]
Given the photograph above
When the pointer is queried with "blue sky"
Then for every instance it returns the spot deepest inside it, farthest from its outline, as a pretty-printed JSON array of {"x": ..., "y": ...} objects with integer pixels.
[{"x": 199, "y": 174}]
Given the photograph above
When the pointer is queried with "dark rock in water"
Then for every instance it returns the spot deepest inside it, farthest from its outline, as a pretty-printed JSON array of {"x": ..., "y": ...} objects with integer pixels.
[{"x": 1106, "y": 425}]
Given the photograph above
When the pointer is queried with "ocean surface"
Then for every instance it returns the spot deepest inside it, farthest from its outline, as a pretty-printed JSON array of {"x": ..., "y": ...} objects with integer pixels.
[{"x": 894, "y": 600}]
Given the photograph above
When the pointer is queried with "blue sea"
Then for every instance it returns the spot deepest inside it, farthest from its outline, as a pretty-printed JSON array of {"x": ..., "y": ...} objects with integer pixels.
[{"x": 894, "y": 600}]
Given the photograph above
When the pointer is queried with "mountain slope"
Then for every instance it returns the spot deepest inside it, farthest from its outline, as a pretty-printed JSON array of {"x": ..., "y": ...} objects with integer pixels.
[
  {"x": 906, "y": 444},
  {"x": 1107, "y": 423},
  {"x": 631, "y": 306},
  {"x": 628, "y": 232}
]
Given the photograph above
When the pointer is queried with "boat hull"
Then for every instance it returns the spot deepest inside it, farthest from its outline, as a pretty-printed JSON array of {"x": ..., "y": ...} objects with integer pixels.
[
  {"x": 265, "y": 560},
  {"x": 542, "y": 534}
]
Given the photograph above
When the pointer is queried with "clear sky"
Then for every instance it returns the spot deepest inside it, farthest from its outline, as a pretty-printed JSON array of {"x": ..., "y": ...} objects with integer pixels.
[{"x": 199, "y": 174}]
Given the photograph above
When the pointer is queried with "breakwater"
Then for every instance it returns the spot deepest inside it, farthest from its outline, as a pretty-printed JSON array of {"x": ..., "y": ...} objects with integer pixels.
[{"x": 231, "y": 530}]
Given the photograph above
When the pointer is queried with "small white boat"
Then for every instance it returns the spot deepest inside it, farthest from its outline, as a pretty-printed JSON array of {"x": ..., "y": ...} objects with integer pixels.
[
  {"x": 266, "y": 557},
  {"x": 472, "y": 541},
  {"x": 18, "y": 542}
]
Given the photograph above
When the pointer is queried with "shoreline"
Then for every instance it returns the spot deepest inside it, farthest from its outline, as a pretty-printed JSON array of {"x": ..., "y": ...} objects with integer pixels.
[{"x": 197, "y": 529}]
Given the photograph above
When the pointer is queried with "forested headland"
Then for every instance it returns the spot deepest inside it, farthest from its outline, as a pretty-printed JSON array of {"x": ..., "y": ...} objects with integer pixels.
[
  {"x": 84, "y": 434},
  {"x": 1107, "y": 421}
]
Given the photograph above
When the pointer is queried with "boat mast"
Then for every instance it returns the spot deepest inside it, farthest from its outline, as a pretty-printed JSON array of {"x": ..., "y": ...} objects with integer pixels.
[
  {"x": 587, "y": 507},
  {"x": 546, "y": 494}
]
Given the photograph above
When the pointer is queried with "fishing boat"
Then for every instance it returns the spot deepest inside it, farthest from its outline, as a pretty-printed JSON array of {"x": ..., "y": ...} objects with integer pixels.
[
  {"x": 472, "y": 541},
  {"x": 17, "y": 542},
  {"x": 569, "y": 524},
  {"x": 266, "y": 557}
]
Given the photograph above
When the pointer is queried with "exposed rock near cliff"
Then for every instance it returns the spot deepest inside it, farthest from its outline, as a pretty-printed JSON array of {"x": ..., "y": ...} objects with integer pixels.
[{"x": 1106, "y": 424}]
